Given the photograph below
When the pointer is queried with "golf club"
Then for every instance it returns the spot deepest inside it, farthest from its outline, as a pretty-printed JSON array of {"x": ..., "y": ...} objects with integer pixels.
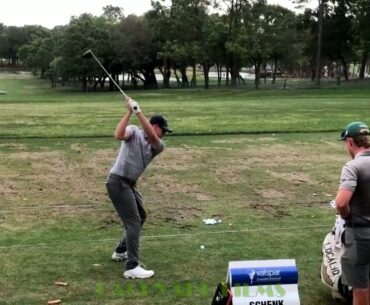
[{"x": 89, "y": 54}]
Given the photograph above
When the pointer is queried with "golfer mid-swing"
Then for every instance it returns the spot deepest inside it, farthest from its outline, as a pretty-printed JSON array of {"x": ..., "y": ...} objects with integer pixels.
[{"x": 138, "y": 148}]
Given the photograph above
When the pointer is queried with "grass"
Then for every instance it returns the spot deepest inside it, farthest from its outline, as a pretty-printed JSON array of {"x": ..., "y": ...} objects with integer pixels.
[
  {"x": 270, "y": 190},
  {"x": 31, "y": 109}
]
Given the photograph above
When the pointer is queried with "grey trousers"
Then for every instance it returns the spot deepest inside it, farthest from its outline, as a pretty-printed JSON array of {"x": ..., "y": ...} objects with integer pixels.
[{"x": 129, "y": 205}]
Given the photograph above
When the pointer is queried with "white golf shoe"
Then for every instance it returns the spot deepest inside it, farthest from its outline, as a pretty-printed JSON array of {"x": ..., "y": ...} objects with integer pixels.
[
  {"x": 138, "y": 273},
  {"x": 119, "y": 256}
]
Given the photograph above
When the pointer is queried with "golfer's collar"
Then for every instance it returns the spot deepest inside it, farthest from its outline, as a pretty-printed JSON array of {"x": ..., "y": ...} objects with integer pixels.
[{"x": 363, "y": 153}]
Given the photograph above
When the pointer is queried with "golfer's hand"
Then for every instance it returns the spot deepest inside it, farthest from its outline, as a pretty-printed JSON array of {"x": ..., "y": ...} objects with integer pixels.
[
  {"x": 128, "y": 105},
  {"x": 135, "y": 106}
]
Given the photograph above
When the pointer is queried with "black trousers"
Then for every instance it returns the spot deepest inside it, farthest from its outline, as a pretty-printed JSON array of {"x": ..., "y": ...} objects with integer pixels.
[{"x": 128, "y": 202}]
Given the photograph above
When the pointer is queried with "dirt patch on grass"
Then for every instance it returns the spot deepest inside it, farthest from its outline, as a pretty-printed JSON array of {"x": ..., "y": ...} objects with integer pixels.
[
  {"x": 271, "y": 194},
  {"x": 245, "y": 140},
  {"x": 285, "y": 156},
  {"x": 54, "y": 177},
  {"x": 166, "y": 185},
  {"x": 232, "y": 171},
  {"x": 270, "y": 210},
  {"x": 181, "y": 217},
  {"x": 78, "y": 147},
  {"x": 297, "y": 178},
  {"x": 178, "y": 158},
  {"x": 233, "y": 141},
  {"x": 8, "y": 189},
  {"x": 17, "y": 146}
]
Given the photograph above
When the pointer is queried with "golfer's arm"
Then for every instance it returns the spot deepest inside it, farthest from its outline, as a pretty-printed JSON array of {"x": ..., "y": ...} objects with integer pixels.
[
  {"x": 149, "y": 130},
  {"x": 343, "y": 198},
  {"x": 120, "y": 132}
]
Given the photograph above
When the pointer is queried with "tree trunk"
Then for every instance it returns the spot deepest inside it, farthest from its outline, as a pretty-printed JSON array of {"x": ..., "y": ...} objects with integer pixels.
[
  {"x": 166, "y": 73},
  {"x": 219, "y": 74},
  {"x": 150, "y": 80},
  {"x": 363, "y": 64},
  {"x": 177, "y": 78},
  {"x": 123, "y": 79},
  {"x": 206, "y": 68},
  {"x": 102, "y": 83},
  {"x": 313, "y": 72},
  {"x": 319, "y": 43},
  {"x": 227, "y": 75},
  {"x": 275, "y": 70},
  {"x": 184, "y": 77},
  {"x": 194, "y": 77},
  {"x": 96, "y": 82},
  {"x": 84, "y": 83},
  {"x": 110, "y": 85},
  {"x": 257, "y": 74},
  {"x": 234, "y": 71},
  {"x": 345, "y": 68}
]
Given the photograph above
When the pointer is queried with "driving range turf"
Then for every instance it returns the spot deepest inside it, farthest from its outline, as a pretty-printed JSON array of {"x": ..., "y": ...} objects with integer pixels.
[{"x": 266, "y": 163}]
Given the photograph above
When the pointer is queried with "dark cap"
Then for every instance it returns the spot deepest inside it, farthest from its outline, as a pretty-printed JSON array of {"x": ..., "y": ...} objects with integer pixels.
[
  {"x": 161, "y": 121},
  {"x": 354, "y": 129}
]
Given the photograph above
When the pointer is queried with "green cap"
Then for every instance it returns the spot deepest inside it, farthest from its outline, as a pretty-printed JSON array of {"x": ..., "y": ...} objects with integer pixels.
[{"x": 354, "y": 129}]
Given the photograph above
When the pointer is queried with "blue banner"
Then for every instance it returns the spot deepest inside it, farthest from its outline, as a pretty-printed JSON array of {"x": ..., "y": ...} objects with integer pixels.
[{"x": 264, "y": 275}]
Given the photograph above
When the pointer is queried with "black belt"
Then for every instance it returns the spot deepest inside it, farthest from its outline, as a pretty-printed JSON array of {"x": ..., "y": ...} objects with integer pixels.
[{"x": 129, "y": 182}]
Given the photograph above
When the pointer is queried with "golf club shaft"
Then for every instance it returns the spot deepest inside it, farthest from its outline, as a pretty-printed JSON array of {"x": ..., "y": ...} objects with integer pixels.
[{"x": 119, "y": 88}]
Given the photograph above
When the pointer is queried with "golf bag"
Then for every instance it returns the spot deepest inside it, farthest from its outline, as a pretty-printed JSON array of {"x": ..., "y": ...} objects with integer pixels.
[
  {"x": 331, "y": 269},
  {"x": 223, "y": 295}
]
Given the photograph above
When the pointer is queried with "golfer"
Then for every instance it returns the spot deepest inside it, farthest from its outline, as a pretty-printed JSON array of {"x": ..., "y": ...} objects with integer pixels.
[
  {"x": 138, "y": 148},
  {"x": 353, "y": 204}
]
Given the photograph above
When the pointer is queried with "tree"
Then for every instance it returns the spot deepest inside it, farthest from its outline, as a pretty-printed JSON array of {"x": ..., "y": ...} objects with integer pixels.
[
  {"x": 284, "y": 37},
  {"x": 236, "y": 10},
  {"x": 83, "y": 33},
  {"x": 38, "y": 54},
  {"x": 361, "y": 26},
  {"x": 139, "y": 49},
  {"x": 320, "y": 19},
  {"x": 187, "y": 19},
  {"x": 256, "y": 36},
  {"x": 338, "y": 35},
  {"x": 214, "y": 48},
  {"x": 114, "y": 14},
  {"x": 13, "y": 38},
  {"x": 159, "y": 21}
]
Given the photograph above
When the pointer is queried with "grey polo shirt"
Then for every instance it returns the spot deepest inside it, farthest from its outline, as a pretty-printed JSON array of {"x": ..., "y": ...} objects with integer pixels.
[
  {"x": 135, "y": 154},
  {"x": 355, "y": 177}
]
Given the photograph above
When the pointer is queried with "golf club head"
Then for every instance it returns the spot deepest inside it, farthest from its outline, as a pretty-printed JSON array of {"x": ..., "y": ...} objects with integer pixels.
[{"x": 87, "y": 54}]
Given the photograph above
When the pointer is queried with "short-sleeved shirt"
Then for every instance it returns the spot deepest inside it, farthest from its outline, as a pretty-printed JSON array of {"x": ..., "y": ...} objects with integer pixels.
[
  {"x": 135, "y": 154},
  {"x": 355, "y": 177}
]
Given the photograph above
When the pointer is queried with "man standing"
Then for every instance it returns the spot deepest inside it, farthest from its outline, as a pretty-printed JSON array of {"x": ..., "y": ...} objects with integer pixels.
[
  {"x": 138, "y": 148},
  {"x": 353, "y": 204}
]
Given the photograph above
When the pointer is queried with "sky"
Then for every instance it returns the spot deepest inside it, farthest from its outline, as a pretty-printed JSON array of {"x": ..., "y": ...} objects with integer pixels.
[{"x": 50, "y": 13}]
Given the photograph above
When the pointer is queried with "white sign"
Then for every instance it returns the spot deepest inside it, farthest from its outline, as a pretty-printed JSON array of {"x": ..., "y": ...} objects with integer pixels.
[{"x": 269, "y": 282}]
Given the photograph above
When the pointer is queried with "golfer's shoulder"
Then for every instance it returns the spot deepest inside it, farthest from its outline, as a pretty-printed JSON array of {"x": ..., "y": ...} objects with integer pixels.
[
  {"x": 133, "y": 130},
  {"x": 351, "y": 166},
  {"x": 161, "y": 145},
  {"x": 158, "y": 148}
]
